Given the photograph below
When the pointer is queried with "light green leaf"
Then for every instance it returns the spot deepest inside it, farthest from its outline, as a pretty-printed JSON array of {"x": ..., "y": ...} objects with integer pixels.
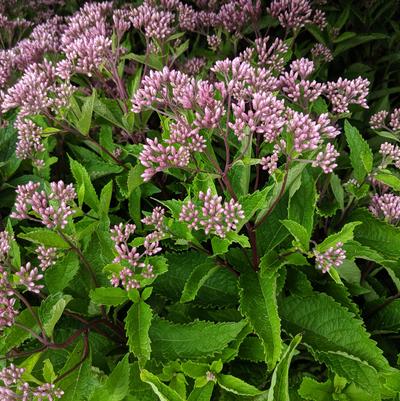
[
  {"x": 298, "y": 232},
  {"x": 386, "y": 177},
  {"x": 279, "y": 389},
  {"x": 110, "y": 296},
  {"x": 202, "y": 393},
  {"x": 344, "y": 235},
  {"x": 137, "y": 325},
  {"x": 117, "y": 385},
  {"x": 237, "y": 386},
  {"x": 45, "y": 237},
  {"x": 360, "y": 153},
  {"x": 51, "y": 309},
  {"x": 312, "y": 390},
  {"x": 48, "y": 371},
  {"x": 85, "y": 120},
  {"x": 163, "y": 392},
  {"x": 85, "y": 188},
  {"x": 60, "y": 275}
]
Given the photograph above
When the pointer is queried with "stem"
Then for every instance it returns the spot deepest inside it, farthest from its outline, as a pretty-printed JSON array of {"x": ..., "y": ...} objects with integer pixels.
[
  {"x": 85, "y": 354},
  {"x": 31, "y": 332},
  {"x": 29, "y": 307}
]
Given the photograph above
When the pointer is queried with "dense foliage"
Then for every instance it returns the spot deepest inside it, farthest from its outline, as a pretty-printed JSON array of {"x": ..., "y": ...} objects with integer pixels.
[{"x": 199, "y": 200}]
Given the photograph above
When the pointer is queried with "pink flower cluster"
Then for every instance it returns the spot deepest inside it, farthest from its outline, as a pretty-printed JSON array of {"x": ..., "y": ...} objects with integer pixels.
[
  {"x": 16, "y": 388},
  {"x": 211, "y": 215},
  {"x": 295, "y": 14},
  {"x": 333, "y": 257},
  {"x": 378, "y": 120},
  {"x": 344, "y": 92},
  {"x": 390, "y": 153},
  {"x": 134, "y": 264},
  {"x": 386, "y": 206},
  {"x": 51, "y": 210},
  {"x": 320, "y": 51}
]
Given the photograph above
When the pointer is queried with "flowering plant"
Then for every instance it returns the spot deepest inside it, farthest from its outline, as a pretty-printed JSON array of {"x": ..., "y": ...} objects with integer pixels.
[{"x": 195, "y": 206}]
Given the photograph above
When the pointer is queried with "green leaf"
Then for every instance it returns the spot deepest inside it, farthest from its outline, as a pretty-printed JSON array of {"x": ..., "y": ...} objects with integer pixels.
[
  {"x": 302, "y": 203},
  {"x": 376, "y": 234},
  {"x": 48, "y": 371},
  {"x": 202, "y": 393},
  {"x": 51, "y": 309},
  {"x": 312, "y": 390},
  {"x": 327, "y": 326},
  {"x": 105, "y": 200},
  {"x": 163, "y": 392},
  {"x": 85, "y": 120},
  {"x": 389, "y": 179},
  {"x": 116, "y": 386},
  {"x": 337, "y": 190},
  {"x": 45, "y": 237},
  {"x": 298, "y": 232},
  {"x": 85, "y": 189},
  {"x": 279, "y": 389},
  {"x": 197, "y": 278},
  {"x": 60, "y": 275},
  {"x": 258, "y": 304},
  {"x": 109, "y": 110},
  {"x": 387, "y": 318},
  {"x": 360, "y": 153},
  {"x": 237, "y": 386},
  {"x": 135, "y": 177},
  {"x": 344, "y": 235},
  {"x": 252, "y": 203},
  {"x": 109, "y": 296},
  {"x": 79, "y": 383},
  {"x": 353, "y": 369},
  {"x": 220, "y": 245},
  {"x": 357, "y": 41},
  {"x": 137, "y": 325},
  {"x": 195, "y": 340}
]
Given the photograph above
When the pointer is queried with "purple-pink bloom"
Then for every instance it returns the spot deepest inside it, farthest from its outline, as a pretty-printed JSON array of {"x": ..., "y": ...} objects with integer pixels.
[
  {"x": 333, "y": 257},
  {"x": 386, "y": 206},
  {"x": 326, "y": 159},
  {"x": 394, "y": 122},
  {"x": 378, "y": 120},
  {"x": 292, "y": 14}
]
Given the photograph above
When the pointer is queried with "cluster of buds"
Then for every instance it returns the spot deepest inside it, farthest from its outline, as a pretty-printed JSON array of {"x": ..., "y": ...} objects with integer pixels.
[
  {"x": 390, "y": 154},
  {"x": 134, "y": 264},
  {"x": 47, "y": 256},
  {"x": 211, "y": 215},
  {"x": 16, "y": 388},
  {"x": 52, "y": 210},
  {"x": 320, "y": 51},
  {"x": 386, "y": 206},
  {"x": 295, "y": 14},
  {"x": 332, "y": 257},
  {"x": 378, "y": 120}
]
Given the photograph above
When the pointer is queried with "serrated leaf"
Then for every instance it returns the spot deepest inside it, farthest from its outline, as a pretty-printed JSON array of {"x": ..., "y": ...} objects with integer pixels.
[
  {"x": 327, "y": 326},
  {"x": 312, "y": 390},
  {"x": 195, "y": 340},
  {"x": 163, "y": 392},
  {"x": 51, "y": 309},
  {"x": 60, "y": 275},
  {"x": 298, "y": 232},
  {"x": 48, "y": 371},
  {"x": 135, "y": 177},
  {"x": 279, "y": 389},
  {"x": 344, "y": 235},
  {"x": 258, "y": 304},
  {"x": 85, "y": 120},
  {"x": 45, "y": 237},
  {"x": 202, "y": 393},
  {"x": 389, "y": 179},
  {"x": 137, "y": 325},
  {"x": 85, "y": 188},
  {"x": 116, "y": 386},
  {"x": 353, "y": 369},
  {"x": 376, "y": 234},
  {"x": 109, "y": 296},
  {"x": 237, "y": 386},
  {"x": 197, "y": 278},
  {"x": 360, "y": 153}
]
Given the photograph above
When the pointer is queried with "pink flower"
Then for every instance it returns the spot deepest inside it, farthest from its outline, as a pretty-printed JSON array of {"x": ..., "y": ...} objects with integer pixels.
[{"x": 333, "y": 257}]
